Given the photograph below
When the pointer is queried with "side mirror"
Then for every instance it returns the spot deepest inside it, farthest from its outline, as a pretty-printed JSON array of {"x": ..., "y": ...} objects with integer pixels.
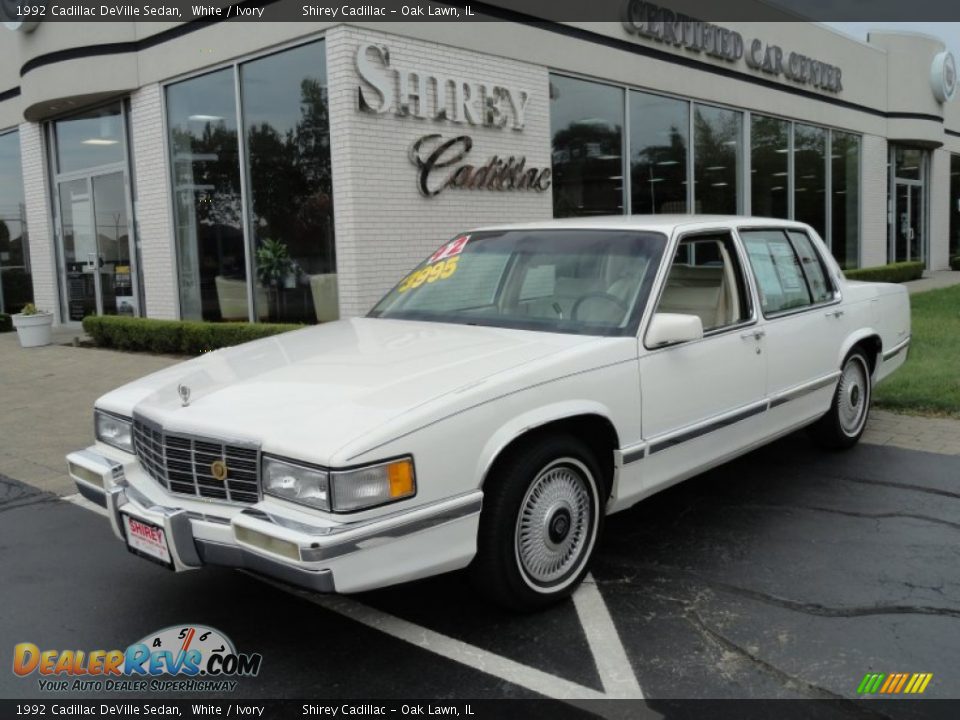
[{"x": 670, "y": 328}]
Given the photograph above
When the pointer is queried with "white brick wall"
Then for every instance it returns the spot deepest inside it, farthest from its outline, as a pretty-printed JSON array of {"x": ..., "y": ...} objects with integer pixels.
[
  {"x": 939, "y": 211},
  {"x": 384, "y": 226},
  {"x": 36, "y": 190},
  {"x": 153, "y": 204},
  {"x": 873, "y": 240}
]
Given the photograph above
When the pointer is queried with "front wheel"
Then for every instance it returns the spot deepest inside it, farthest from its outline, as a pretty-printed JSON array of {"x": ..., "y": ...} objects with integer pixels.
[
  {"x": 542, "y": 515},
  {"x": 844, "y": 423}
]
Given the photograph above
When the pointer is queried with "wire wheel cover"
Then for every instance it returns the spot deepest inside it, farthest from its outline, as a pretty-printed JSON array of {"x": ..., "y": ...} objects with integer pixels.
[
  {"x": 554, "y": 524},
  {"x": 854, "y": 397}
]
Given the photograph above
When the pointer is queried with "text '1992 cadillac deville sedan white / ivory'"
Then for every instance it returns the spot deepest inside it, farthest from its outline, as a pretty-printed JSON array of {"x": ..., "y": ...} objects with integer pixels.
[{"x": 519, "y": 385}]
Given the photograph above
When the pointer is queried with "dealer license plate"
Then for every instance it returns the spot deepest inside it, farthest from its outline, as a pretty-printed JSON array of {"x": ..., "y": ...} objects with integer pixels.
[{"x": 147, "y": 540}]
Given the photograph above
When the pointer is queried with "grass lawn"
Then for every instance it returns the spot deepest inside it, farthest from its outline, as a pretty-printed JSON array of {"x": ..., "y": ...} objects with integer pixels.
[{"x": 929, "y": 382}]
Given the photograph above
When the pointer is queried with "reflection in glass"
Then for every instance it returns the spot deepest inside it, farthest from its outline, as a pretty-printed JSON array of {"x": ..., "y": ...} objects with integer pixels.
[
  {"x": 587, "y": 127},
  {"x": 90, "y": 139},
  {"x": 907, "y": 162},
  {"x": 717, "y": 157},
  {"x": 79, "y": 249},
  {"x": 113, "y": 244},
  {"x": 287, "y": 126},
  {"x": 659, "y": 129},
  {"x": 201, "y": 116},
  {"x": 954, "y": 206},
  {"x": 809, "y": 172},
  {"x": 16, "y": 286},
  {"x": 845, "y": 199},
  {"x": 770, "y": 157}
]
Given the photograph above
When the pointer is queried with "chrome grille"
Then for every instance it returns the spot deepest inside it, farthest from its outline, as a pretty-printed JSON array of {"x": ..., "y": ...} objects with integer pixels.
[{"x": 181, "y": 464}]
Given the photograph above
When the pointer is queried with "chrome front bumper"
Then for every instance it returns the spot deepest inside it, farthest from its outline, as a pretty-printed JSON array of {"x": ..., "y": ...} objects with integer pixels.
[{"x": 260, "y": 539}]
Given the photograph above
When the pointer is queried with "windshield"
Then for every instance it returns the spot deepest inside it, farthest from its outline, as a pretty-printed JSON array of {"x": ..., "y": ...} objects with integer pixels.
[{"x": 592, "y": 282}]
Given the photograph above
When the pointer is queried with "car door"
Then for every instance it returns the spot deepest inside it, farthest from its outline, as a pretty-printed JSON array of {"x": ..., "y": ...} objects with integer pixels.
[
  {"x": 802, "y": 315},
  {"x": 704, "y": 399}
]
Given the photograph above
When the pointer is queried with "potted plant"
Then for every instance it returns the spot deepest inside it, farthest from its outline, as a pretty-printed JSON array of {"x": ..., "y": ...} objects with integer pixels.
[
  {"x": 33, "y": 326},
  {"x": 274, "y": 264}
]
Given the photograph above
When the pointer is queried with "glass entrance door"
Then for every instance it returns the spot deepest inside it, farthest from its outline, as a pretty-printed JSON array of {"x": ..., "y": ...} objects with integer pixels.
[
  {"x": 908, "y": 219},
  {"x": 93, "y": 213},
  {"x": 96, "y": 246}
]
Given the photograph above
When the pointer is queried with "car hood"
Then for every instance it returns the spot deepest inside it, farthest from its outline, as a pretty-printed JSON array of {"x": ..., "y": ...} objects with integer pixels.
[{"x": 319, "y": 388}]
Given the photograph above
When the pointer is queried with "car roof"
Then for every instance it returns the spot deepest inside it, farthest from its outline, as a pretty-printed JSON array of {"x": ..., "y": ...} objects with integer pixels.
[{"x": 658, "y": 223}]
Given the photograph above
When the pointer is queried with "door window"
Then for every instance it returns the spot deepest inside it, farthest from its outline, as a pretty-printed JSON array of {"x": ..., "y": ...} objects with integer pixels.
[
  {"x": 813, "y": 269},
  {"x": 706, "y": 280},
  {"x": 790, "y": 275}
]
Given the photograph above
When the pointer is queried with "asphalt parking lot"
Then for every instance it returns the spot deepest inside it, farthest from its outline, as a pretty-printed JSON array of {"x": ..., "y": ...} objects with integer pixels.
[{"x": 790, "y": 573}]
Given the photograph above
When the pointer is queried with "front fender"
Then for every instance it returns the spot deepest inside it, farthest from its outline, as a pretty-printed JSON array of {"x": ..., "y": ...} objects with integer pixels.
[{"x": 531, "y": 420}]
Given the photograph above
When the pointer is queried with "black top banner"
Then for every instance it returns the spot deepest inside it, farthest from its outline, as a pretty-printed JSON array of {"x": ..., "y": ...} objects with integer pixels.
[{"x": 13, "y": 12}]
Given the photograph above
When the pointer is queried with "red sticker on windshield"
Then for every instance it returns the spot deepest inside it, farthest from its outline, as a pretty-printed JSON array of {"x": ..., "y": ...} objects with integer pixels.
[{"x": 455, "y": 247}]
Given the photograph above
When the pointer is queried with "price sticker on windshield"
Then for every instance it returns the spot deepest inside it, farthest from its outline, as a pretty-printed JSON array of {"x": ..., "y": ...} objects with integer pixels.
[
  {"x": 451, "y": 249},
  {"x": 430, "y": 274}
]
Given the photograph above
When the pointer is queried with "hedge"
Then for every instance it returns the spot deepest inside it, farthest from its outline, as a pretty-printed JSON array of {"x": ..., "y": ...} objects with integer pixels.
[
  {"x": 174, "y": 336},
  {"x": 955, "y": 263},
  {"x": 6, "y": 323},
  {"x": 894, "y": 272}
]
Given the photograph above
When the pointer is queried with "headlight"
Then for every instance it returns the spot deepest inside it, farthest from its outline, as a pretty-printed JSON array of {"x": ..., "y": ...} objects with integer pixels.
[
  {"x": 340, "y": 490},
  {"x": 114, "y": 430},
  {"x": 373, "y": 485},
  {"x": 299, "y": 483}
]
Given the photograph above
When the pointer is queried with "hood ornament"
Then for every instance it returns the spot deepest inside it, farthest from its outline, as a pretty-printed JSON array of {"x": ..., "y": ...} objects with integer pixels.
[{"x": 184, "y": 392}]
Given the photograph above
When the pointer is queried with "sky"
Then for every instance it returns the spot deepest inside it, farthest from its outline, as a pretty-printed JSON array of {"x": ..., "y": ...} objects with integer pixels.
[{"x": 949, "y": 32}]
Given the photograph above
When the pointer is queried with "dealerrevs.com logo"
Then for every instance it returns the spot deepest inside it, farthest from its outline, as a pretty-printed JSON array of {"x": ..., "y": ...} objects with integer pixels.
[{"x": 178, "y": 658}]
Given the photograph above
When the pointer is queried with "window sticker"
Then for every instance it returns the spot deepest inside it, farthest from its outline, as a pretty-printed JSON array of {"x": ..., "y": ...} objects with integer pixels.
[
  {"x": 451, "y": 249},
  {"x": 786, "y": 264},
  {"x": 430, "y": 274}
]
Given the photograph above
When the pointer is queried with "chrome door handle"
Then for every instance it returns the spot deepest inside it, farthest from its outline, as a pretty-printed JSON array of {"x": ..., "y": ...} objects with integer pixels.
[
  {"x": 753, "y": 334},
  {"x": 835, "y": 314}
]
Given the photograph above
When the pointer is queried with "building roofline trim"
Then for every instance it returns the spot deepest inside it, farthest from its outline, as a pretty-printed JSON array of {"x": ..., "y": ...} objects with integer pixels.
[{"x": 10, "y": 94}]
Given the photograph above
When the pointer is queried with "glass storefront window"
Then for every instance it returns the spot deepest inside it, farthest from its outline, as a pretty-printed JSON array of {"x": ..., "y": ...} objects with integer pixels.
[
  {"x": 845, "y": 198},
  {"x": 717, "y": 151},
  {"x": 586, "y": 122},
  {"x": 769, "y": 166},
  {"x": 908, "y": 162},
  {"x": 659, "y": 130},
  {"x": 90, "y": 139},
  {"x": 287, "y": 126},
  {"x": 954, "y": 206},
  {"x": 809, "y": 173},
  {"x": 16, "y": 286},
  {"x": 205, "y": 161}
]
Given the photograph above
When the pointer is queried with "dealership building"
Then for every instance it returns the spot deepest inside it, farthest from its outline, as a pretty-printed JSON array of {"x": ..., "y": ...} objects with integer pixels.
[{"x": 227, "y": 171}]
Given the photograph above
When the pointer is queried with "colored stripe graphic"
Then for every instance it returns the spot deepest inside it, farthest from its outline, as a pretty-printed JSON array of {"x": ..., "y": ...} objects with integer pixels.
[{"x": 894, "y": 684}]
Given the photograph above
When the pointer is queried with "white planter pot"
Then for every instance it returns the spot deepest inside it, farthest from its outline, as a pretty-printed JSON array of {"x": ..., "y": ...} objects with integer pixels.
[{"x": 33, "y": 330}]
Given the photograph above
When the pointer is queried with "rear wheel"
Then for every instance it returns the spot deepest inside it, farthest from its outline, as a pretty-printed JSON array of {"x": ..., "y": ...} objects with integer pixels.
[
  {"x": 542, "y": 514},
  {"x": 844, "y": 423}
]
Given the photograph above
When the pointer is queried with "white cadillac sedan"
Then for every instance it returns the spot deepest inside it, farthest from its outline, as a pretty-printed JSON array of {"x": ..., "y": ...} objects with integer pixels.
[{"x": 519, "y": 385}]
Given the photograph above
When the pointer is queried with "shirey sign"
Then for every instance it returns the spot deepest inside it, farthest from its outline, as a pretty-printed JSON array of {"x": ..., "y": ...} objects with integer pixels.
[{"x": 441, "y": 162}]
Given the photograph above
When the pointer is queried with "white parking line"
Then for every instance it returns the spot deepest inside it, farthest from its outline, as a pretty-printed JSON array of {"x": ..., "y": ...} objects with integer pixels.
[
  {"x": 470, "y": 655},
  {"x": 613, "y": 665}
]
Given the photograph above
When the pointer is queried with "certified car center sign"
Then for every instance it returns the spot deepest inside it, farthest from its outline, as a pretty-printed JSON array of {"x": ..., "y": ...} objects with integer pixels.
[{"x": 442, "y": 163}]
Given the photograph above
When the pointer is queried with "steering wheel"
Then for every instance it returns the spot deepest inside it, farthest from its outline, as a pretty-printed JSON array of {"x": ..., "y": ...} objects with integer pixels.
[{"x": 600, "y": 296}]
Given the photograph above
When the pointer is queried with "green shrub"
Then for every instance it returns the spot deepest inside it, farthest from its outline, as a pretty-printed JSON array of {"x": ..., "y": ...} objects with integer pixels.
[
  {"x": 893, "y": 273},
  {"x": 174, "y": 336},
  {"x": 955, "y": 263},
  {"x": 6, "y": 323}
]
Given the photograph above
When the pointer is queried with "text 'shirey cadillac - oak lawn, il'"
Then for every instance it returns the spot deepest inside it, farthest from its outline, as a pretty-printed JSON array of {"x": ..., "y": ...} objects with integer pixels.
[{"x": 519, "y": 385}]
